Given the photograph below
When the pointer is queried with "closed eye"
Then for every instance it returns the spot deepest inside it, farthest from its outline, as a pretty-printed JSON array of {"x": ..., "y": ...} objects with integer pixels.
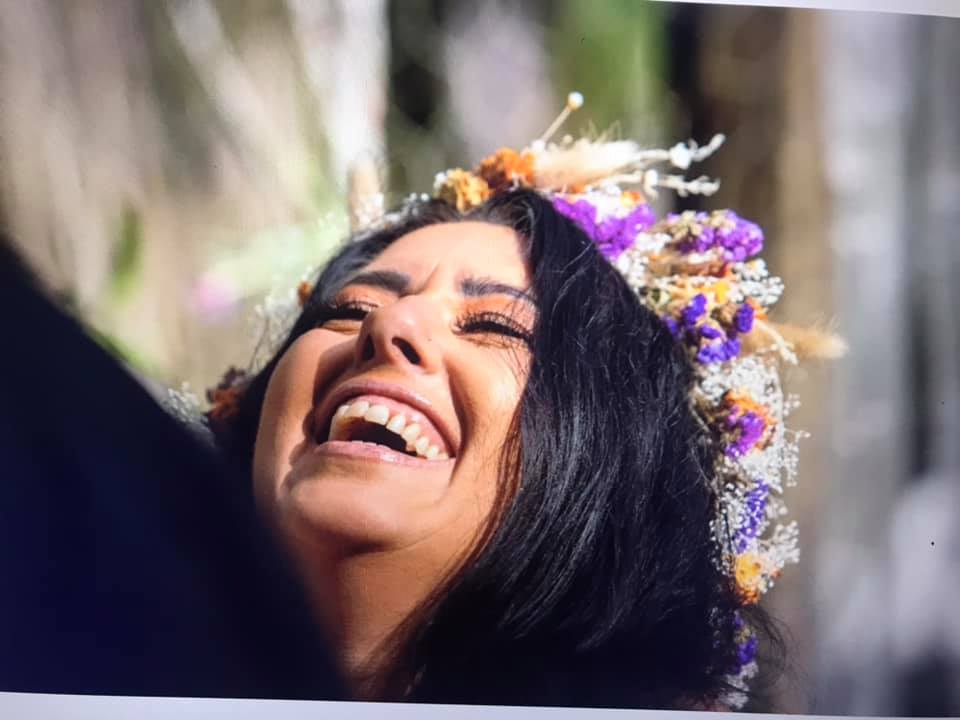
[
  {"x": 346, "y": 312},
  {"x": 493, "y": 323},
  {"x": 348, "y": 315}
]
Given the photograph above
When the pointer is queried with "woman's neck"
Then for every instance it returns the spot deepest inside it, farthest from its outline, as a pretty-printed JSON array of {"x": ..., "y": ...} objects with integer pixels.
[{"x": 361, "y": 600}]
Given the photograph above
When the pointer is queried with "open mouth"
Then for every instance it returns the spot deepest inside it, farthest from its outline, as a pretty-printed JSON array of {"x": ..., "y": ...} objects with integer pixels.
[{"x": 386, "y": 422}]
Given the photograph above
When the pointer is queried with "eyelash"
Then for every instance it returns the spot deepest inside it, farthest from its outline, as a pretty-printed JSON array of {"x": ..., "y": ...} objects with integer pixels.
[
  {"x": 471, "y": 323},
  {"x": 493, "y": 322},
  {"x": 345, "y": 311}
]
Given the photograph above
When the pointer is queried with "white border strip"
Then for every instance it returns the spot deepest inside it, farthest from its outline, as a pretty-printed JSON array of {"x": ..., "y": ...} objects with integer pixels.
[
  {"x": 945, "y": 8},
  {"x": 100, "y": 707}
]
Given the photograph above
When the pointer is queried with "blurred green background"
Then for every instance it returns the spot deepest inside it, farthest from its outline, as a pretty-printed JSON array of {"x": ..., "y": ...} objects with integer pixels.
[{"x": 166, "y": 163}]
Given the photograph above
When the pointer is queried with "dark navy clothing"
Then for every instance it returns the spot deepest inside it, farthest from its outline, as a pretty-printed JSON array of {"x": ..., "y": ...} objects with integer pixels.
[{"x": 131, "y": 562}]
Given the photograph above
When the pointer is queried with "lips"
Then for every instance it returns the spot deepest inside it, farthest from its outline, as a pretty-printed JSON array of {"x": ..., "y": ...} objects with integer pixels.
[{"x": 388, "y": 416}]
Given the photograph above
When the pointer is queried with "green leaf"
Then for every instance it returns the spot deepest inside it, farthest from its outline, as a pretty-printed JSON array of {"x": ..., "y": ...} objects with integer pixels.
[{"x": 127, "y": 256}]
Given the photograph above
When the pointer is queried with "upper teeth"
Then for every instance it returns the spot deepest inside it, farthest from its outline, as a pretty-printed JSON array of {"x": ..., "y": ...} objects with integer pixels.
[{"x": 397, "y": 423}]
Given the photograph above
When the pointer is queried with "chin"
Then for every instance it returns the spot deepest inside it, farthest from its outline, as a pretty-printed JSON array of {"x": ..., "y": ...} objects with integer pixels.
[
  {"x": 356, "y": 503},
  {"x": 343, "y": 512}
]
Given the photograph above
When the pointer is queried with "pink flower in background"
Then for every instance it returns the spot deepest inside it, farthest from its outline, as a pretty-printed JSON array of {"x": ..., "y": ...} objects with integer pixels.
[{"x": 213, "y": 299}]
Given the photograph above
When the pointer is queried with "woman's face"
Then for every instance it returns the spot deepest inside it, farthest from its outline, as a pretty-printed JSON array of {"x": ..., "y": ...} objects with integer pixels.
[{"x": 382, "y": 428}]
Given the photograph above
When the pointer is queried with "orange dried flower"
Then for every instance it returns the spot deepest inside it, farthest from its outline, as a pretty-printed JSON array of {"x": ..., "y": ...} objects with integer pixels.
[
  {"x": 303, "y": 292},
  {"x": 746, "y": 404},
  {"x": 506, "y": 168},
  {"x": 632, "y": 198},
  {"x": 748, "y": 572},
  {"x": 739, "y": 404},
  {"x": 759, "y": 312},
  {"x": 721, "y": 289},
  {"x": 226, "y": 402},
  {"x": 225, "y": 397},
  {"x": 463, "y": 189}
]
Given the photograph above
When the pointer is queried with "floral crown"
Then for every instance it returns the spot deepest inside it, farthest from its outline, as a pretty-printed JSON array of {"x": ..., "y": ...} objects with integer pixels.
[{"x": 699, "y": 272}]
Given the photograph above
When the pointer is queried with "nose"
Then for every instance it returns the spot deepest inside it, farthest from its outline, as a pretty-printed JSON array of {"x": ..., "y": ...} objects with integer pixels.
[{"x": 403, "y": 333}]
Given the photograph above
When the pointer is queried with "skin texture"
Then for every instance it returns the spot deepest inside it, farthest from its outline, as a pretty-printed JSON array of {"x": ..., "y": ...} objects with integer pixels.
[{"x": 374, "y": 536}]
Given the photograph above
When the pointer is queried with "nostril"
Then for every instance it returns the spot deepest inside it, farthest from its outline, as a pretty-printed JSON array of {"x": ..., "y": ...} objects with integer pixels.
[
  {"x": 412, "y": 356},
  {"x": 367, "y": 350}
]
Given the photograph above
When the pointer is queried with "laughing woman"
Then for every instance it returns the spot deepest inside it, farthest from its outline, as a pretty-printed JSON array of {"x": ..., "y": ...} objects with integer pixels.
[{"x": 524, "y": 442}]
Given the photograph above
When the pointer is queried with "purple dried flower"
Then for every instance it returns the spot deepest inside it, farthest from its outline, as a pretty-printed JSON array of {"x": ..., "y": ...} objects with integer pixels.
[
  {"x": 749, "y": 427},
  {"x": 738, "y": 239},
  {"x": 581, "y": 212},
  {"x": 640, "y": 218},
  {"x": 740, "y": 242},
  {"x": 612, "y": 235},
  {"x": 695, "y": 310},
  {"x": 709, "y": 354},
  {"x": 703, "y": 241},
  {"x": 719, "y": 352},
  {"x": 672, "y": 326},
  {"x": 748, "y": 650},
  {"x": 743, "y": 320},
  {"x": 710, "y": 332},
  {"x": 611, "y": 238},
  {"x": 754, "y": 510},
  {"x": 731, "y": 348}
]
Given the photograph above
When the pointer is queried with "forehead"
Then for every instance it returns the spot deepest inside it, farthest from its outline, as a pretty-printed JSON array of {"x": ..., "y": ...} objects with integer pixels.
[{"x": 458, "y": 249}]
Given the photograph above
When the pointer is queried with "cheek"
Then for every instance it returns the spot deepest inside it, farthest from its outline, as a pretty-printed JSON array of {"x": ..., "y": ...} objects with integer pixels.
[
  {"x": 288, "y": 402},
  {"x": 491, "y": 398},
  {"x": 492, "y": 392},
  {"x": 503, "y": 400},
  {"x": 506, "y": 381}
]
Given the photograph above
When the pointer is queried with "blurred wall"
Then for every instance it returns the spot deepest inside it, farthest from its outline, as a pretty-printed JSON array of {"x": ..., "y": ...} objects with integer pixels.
[
  {"x": 166, "y": 162},
  {"x": 844, "y": 146}
]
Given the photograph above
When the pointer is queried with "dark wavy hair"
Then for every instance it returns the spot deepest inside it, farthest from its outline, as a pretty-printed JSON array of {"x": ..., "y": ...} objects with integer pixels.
[{"x": 596, "y": 582}]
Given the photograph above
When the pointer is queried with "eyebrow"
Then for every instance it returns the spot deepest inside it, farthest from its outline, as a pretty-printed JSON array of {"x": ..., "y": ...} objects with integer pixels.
[
  {"x": 398, "y": 283},
  {"x": 478, "y": 286},
  {"x": 395, "y": 282}
]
